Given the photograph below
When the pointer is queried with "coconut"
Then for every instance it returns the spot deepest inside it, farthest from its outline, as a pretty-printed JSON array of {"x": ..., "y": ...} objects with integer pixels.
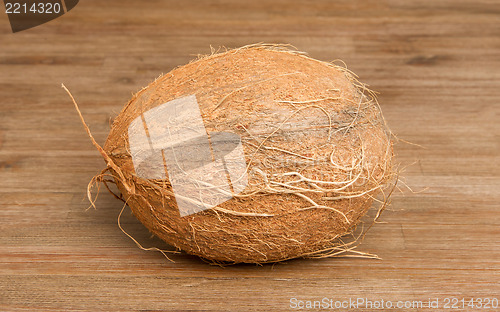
[{"x": 316, "y": 150}]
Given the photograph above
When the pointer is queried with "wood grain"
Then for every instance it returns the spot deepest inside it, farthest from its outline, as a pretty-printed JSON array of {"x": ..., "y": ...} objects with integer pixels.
[{"x": 436, "y": 66}]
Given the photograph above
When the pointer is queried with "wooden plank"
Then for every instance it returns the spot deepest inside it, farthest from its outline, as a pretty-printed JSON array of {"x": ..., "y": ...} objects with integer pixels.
[{"x": 435, "y": 65}]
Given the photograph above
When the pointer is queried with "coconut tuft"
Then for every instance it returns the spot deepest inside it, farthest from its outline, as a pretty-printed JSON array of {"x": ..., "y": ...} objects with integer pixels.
[{"x": 318, "y": 154}]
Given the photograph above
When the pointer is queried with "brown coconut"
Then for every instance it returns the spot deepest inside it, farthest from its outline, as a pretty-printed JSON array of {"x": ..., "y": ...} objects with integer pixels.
[{"x": 317, "y": 148}]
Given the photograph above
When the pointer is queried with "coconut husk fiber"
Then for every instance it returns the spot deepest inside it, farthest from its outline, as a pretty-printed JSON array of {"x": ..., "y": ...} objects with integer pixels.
[{"x": 317, "y": 149}]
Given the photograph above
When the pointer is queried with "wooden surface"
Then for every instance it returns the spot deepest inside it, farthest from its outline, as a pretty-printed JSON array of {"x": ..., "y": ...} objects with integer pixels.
[{"x": 435, "y": 63}]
